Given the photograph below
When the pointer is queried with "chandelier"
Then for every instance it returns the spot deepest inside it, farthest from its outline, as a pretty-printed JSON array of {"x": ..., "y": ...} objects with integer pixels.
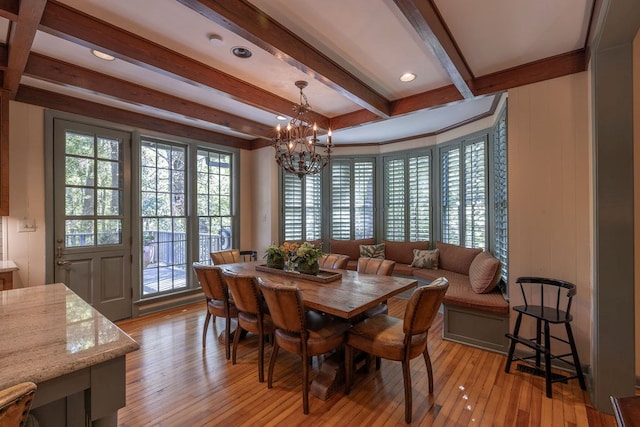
[{"x": 297, "y": 146}]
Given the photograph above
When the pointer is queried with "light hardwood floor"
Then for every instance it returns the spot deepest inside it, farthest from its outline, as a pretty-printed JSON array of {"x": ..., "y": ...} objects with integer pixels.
[{"x": 173, "y": 381}]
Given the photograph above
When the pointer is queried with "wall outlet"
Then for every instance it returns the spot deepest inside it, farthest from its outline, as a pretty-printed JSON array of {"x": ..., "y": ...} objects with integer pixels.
[{"x": 26, "y": 225}]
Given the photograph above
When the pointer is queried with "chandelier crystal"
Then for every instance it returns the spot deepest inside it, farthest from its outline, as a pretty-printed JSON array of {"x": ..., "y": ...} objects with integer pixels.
[{"x": 298, "y": 149}]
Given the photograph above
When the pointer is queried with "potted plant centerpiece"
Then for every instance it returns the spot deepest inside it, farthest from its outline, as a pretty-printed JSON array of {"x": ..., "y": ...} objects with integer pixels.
[
  {"x": 306, "y": 258},
  {"x": 275, "y": 256}
]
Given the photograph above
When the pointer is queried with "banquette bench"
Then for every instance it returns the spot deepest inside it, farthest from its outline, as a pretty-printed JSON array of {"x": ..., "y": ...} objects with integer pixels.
[{"x": 475, "y": 310}]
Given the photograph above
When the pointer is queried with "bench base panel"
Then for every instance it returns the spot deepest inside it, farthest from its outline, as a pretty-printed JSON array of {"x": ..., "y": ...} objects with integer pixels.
[{"x": 476, "y": 328}]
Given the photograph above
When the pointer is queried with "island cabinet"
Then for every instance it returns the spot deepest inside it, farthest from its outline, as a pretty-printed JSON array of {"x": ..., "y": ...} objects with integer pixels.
[
  {"x": 75, "y": 355},
  {"x": 7, "y": 268},
  {"x": 4, "y": 154}
]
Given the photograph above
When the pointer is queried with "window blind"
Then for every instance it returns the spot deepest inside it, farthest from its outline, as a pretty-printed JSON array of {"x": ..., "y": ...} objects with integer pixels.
[
  {"x": 501, "y": 236},
  {"x": 450, "y": 167}
]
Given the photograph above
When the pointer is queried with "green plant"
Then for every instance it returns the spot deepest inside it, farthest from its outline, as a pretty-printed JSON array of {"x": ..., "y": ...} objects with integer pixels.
[
  {"x": 274, "y": 254},
  {"x": 307, "y": 254}
]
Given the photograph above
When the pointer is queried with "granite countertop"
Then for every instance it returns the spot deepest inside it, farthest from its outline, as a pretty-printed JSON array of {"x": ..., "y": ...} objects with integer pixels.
[
  {"x": 6, "y": 265},
  {"x": 49, "y": 331}
]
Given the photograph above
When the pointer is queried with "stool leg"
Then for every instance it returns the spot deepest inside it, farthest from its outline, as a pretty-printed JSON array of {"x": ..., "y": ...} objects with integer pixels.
[
  {"x": 512, "y": 347},
  {"x": 576, "y": 360},
  {"x": 547, "y": 358},
  {"x": 538, "y": 340}
]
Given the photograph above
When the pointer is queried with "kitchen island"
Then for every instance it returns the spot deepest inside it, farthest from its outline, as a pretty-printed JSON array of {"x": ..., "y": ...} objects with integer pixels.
[{"x": 76, "y": 356}]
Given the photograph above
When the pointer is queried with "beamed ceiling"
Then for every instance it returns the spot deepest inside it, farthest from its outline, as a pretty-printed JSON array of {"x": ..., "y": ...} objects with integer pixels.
[{"x": 168, "y": 76}]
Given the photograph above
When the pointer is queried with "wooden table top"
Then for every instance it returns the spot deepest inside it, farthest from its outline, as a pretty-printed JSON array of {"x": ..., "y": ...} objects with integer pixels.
[{"x": 347, "y": 297}]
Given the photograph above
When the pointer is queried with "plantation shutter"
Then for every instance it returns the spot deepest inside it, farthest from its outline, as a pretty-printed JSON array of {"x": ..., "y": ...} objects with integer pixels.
[
  {"x": 450, "y": 167},
  {"x": 475, "y": 178},
  {"x": 394, "y": 199},
  {"x": 363, "y": 184},
  {"x": 313, "y": 207},
  {"x": 419, "y": 198},
  {"x": 500, "y": 194},
  {"x": 340, "y": 200},
  {"x": 292, "y": 207}
]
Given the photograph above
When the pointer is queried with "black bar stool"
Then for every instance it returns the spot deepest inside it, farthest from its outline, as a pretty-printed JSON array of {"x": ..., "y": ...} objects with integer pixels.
[{"x": 544, "y": 316}]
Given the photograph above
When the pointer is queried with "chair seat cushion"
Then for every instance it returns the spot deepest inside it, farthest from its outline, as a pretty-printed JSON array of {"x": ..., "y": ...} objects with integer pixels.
[
  {"x": 216, "y": 307},
  {"x": 383, "y": 336},
  {"x": 325, "y": 334},
  {"x": 249, "y": 321}
]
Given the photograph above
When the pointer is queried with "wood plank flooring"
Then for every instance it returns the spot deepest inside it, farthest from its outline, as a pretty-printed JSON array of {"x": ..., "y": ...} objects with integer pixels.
[{"x": 173, "y": 381}]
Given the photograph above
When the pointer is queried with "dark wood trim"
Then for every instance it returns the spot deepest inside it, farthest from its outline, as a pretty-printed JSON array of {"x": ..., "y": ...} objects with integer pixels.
[
  {"x": 426, "y": 20},
  {"x": 426, "y": 100},
  {"x": 4, "y": 57},
  {"x": 20, "y": 41},
  {"x": 421, "y": 101},
  {"x": 9, "y": 9},
  {"x": 544, "y": 69},
  {"x": 4, "y": 153},
  {"x": 70, "y": 24},
  {"x": 251, "y": 23},
  {"x": 43, "y": 98},
  {"x": 46, "y": 68}
]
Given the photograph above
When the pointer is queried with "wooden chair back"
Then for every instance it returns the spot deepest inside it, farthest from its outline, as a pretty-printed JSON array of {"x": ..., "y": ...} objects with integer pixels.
[
  {"x": 334, "y": 261},
  {"x": 225, "y": 257},
  {"x": 379, "y": 266},
  {"x": 285, "y": 306},
  {"x": 15, "y": 403},
  {"x": 423, "y": 306},
  {"x": 212, "y": 282}
]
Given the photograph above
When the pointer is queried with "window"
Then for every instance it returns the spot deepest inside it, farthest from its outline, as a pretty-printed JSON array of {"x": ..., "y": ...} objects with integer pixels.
[
  {"x": 302, "y": 207},
  {"x": 501, "y": 235},
  {"x": 464, "y": 193},
  {"x": 352, "y": 198},
  {"x": 164, "y": 219},
  {"x": 407, "y": 197},
  {"x": 213, "y": 187},
  {"x": 171, "y": 240}
]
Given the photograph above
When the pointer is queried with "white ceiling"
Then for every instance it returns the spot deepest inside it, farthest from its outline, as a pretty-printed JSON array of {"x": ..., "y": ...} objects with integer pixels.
[{"x": 371, "y": 39}]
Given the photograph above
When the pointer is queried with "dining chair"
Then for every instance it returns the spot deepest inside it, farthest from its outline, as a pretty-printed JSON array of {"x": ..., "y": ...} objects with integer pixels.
[
  {"x": 247, "y": 256},
  {"x": 553, "y": 309},
  {"x": 15, "y": 403},
  {"x": 218, "y": 301},
  {"x": 380, "y": 267},
  {"x": 334, "y": 261},
  {"x": 299, "y": 331},
  {"x": 253, "y": 315},
  {"x": 404, "y": 339},
  {"x": 229, "y": 256}
]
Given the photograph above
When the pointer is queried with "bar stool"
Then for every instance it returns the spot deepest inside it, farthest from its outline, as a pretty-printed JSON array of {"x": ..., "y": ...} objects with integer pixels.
[{"x": 545, "y": 315}]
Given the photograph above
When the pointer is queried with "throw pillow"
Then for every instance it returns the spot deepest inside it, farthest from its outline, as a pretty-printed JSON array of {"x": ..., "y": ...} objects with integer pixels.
[
  {"x": 372, "y": 251},
  {"x": 426, "y": 258},
  {"x": 484, "y": 273}
]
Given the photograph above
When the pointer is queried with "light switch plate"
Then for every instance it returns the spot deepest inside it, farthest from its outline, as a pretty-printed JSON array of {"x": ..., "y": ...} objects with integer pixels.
[{"x": 25, "y": 225}]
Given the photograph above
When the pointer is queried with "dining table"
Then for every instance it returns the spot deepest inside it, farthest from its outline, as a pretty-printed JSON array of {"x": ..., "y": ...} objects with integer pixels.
[{"x": 342, "y": 293}]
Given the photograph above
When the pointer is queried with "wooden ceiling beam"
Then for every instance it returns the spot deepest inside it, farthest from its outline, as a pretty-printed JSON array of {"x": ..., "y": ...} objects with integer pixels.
[
  {"x": 9, "y": 9},
  {"x": 427, "y": 22},
  {"x": 43, "y": 98},
  {"x": 252, "y": 24},
  {"x": 21, "y": 36},
  {"x": 45, "y": 68},
  {"x": 545, "y": 69},
  {"x": 70, "y": 24}
]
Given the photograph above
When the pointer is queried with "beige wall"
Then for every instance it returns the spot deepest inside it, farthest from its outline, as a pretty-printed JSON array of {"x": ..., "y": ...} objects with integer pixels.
[
  {"x": 26, "y": 181},
  {"x": 636, "y": 164},
  {"x": 549, "y": 192}
]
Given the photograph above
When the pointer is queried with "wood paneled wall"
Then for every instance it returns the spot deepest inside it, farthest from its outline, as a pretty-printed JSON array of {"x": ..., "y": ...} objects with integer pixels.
[{"x": 549, "y": 192}]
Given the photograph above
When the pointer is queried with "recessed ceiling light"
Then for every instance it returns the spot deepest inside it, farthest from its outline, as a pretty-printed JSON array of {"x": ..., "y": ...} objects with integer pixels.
[
  {"x": 241, "y": 52},
  {"x": 103, "y": 55},
  {"x": 281, "y": 118},
  {"x": 407, "y": 77},
  {"x": 215, "y": 39}
]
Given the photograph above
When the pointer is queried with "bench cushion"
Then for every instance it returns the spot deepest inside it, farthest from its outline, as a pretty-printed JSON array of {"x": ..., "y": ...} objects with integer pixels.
[
  {"x": 456, "y": 258},
  {"x": 402, "y": 252},
  {"x": 351, "y": 248},
  {"x": 460, "y": 293},
  {"x": 403, "y": 269}
]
